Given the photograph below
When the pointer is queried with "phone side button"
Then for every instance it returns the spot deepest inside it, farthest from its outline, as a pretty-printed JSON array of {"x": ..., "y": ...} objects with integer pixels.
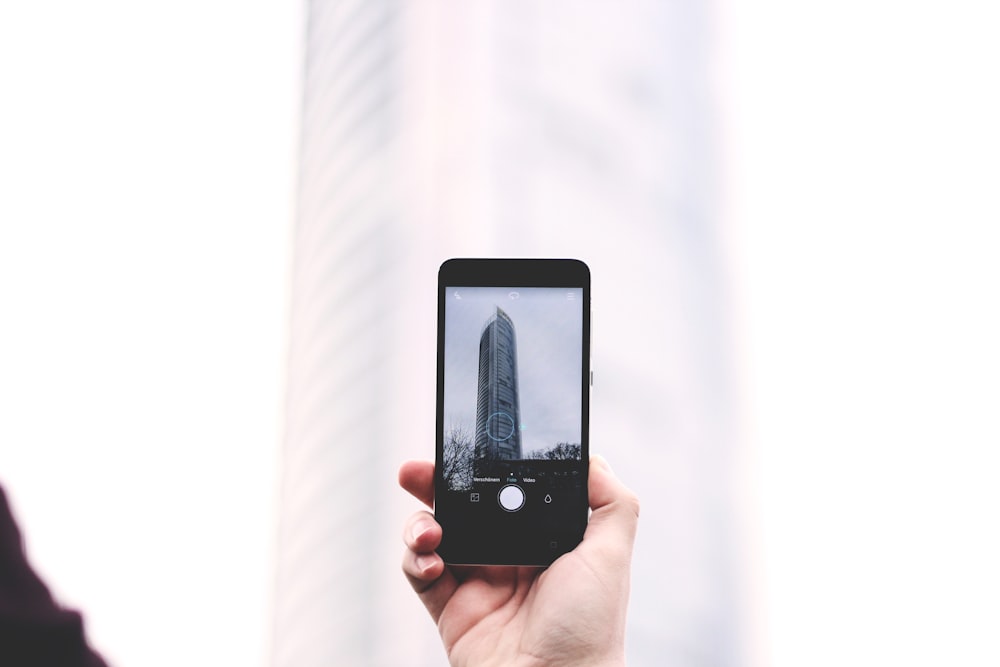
[{"x": 511, "y": 497}]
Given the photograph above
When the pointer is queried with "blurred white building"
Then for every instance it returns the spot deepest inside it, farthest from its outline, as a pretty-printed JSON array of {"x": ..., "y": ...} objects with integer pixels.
[{"x": 562, "y": 129}]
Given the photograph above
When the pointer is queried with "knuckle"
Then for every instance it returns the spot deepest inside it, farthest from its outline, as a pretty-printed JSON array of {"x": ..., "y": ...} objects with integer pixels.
[{"x": 631, "y": 502}]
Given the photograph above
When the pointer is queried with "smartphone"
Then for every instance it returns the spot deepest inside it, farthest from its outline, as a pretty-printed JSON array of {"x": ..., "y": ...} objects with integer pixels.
[{"x": 513, "y": 408}]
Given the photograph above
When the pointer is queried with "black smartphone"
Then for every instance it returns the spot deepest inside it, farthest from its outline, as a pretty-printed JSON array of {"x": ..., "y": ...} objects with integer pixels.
[{"x": 513, "y": 404}]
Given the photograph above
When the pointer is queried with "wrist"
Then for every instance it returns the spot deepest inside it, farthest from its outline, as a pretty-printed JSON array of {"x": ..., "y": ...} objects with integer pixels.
[{"x": 606, "y": 661}]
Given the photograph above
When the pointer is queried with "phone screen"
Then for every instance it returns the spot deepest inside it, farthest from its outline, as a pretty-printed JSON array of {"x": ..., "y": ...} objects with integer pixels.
[{"x": 513, "y": 390}]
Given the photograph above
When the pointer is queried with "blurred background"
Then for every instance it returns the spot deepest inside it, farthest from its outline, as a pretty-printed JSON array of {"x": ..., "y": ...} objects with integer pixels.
[{"x": 220, "y": 226}]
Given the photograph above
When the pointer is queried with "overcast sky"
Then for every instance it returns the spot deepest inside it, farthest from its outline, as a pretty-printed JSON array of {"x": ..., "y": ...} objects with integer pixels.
[{"x": 547, "y": 326}]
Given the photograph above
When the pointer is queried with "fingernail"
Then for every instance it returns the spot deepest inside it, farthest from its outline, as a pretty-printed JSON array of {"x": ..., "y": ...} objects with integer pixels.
[
  {"x": 419, "y": 529},
  {"x": 425, "y": 562}
]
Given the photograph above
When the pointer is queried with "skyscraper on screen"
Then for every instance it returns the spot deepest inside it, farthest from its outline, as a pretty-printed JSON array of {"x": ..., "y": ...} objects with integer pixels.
[{"x": 498, "y": 407}]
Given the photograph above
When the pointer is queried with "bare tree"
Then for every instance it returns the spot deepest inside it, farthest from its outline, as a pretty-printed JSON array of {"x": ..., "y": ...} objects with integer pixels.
[
  {"x": 458, "y": 449},
  {"x": 563, "y": 451}
]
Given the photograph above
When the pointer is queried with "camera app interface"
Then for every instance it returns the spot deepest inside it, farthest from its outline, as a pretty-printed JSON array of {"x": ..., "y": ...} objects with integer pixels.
[{"x": 512, "y": 445}]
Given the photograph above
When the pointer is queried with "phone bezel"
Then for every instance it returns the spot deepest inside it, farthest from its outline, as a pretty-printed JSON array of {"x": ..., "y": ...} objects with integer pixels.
[{"x": 473, "y": 272}]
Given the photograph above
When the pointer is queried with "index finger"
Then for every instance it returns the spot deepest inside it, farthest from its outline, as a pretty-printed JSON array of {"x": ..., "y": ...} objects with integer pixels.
[{"x": 417, "y": 478}]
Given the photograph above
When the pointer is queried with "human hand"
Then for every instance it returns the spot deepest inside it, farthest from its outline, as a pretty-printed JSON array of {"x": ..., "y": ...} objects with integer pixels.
[{"x": 571, "y": 613}]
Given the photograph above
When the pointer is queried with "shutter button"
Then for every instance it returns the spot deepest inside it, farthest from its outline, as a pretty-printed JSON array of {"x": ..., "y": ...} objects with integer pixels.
[{"x": 511, "y": 497}]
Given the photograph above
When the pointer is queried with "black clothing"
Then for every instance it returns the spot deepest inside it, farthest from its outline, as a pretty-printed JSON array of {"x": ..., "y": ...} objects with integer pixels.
[{"x": 34, "y": 630}]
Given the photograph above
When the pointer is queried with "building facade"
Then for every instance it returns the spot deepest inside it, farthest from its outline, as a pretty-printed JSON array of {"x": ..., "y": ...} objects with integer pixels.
[
  {"x": 498, "y": 411},
  {"x": 504, "y": 129}
]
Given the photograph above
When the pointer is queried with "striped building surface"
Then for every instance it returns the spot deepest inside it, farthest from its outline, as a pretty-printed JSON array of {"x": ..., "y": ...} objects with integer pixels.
[{"x": 439, "y": 129}]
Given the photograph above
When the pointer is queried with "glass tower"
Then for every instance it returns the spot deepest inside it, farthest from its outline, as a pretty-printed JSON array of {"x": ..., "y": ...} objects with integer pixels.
[{"x": 498, "y": 412}]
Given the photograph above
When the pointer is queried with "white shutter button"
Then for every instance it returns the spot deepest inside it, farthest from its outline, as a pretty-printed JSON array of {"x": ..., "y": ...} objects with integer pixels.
[{"x": 511, "y": 497}]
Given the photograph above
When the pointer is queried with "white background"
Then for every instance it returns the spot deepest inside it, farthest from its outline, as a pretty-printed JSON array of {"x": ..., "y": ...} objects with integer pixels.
[
  {"x": 865, "y": 155},
  {"x": 147, "y": 159},
  {"x": 146, "y": 193}
]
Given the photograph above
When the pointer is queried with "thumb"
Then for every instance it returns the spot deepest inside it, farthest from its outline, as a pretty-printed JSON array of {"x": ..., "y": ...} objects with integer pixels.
[{"x": 615, "y": 513}]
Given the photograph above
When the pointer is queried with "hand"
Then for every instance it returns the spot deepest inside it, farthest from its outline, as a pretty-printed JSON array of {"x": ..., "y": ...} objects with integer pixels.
[{"x": 571, "y": 613}]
